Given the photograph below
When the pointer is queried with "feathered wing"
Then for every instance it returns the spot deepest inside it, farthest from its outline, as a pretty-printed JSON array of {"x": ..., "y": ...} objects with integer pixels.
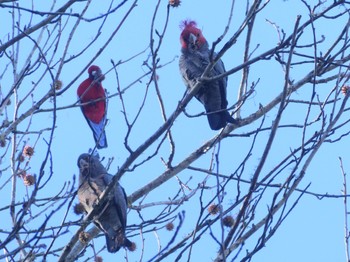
[
  {"x": 218, "y": 99},
  {"x": 116, "y": 212},
  {"x": 120, "y": 197},
  {"x": 211, "y": 94}
]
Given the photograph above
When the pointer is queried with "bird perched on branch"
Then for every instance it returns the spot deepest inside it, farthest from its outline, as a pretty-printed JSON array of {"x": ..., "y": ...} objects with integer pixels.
[
  {"x": 94, "y": 108},
  {"x": 93, "y": 180},
  {"x": 195, "y": 57}
]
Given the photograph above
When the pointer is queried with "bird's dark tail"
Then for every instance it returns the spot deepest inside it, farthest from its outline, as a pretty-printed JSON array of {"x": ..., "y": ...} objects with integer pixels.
[
  {"x": 220, "y": 119},
  {"x": 230, "y": 119},
  {"x": 113, "y": 244}
]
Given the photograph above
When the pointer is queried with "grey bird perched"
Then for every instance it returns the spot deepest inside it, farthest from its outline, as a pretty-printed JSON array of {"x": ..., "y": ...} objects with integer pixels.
[
  {"x": 195, "y": 57},
  {"x": 93, "y": 179}
]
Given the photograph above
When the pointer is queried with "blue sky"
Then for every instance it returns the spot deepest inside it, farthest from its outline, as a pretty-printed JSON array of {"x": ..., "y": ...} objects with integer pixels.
[{"x": 314, "y": 231}]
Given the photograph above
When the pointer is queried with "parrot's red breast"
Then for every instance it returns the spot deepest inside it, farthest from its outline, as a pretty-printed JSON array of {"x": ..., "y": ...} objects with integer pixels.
[{"x": 94, "y": 111}]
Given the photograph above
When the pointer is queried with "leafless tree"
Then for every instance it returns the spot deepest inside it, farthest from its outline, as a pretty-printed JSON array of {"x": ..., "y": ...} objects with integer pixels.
[{"x": 187, "y": 186}]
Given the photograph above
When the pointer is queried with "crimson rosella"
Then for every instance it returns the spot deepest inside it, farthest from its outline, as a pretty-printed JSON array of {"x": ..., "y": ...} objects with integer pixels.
[
  {"x": 93, "y": 180},
  {"x": 91, "y": 92},
  {"x": 195, "y": 57}
]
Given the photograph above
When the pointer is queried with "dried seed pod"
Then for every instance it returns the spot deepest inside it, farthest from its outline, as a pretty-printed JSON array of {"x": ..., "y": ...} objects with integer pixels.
[
  {"x": 174, "y": 3},
  {"x": 213, "y": 209},
  {"x": 84, "y": 237},
  {"x": 58, "y": 84},
  {"x": 132, "y": 247},
  {"x": 78, "y": 209},
  {"x": 21, "y": 173},
  {"x": 345, "y": 89},
  {"x": 169, "y": 226},
  {"x": 28, "y": 151},
  {"x": 28, "y": 180},
  {"x": 228, "y": 221},
  {"x": 98, "y": 259},
  {"x": 20, "y": 157}
]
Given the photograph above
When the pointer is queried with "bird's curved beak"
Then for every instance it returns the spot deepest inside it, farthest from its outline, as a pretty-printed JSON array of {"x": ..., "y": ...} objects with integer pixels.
[
  {"x": 192, "y": 40},
  {"x": 83, "y": 165},
  {"x": 98, "y": 76}
]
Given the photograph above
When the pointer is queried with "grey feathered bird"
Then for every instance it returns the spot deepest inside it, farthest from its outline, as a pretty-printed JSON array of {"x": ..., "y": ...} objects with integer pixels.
[
  {"x": 93, "y": 179},
  {"x": 195, "y": 57}
]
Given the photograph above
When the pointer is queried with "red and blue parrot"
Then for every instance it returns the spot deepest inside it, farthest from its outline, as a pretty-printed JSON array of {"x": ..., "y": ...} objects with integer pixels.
[{"x": 94, "y": 104}]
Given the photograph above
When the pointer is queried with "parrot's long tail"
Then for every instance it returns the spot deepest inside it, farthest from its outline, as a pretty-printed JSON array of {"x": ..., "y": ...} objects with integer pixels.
[
  {"x": 99, "y": 133},
  {"x": 113, "y": 245},
  {"x": 220, "y": 119},
  {"x": 115, "y": 242}
]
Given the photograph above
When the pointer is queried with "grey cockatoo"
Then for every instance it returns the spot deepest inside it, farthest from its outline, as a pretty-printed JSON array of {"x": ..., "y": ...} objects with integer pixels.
[
  {"x": 93, "y": 179},
  {"x": 195, "y": 57}
]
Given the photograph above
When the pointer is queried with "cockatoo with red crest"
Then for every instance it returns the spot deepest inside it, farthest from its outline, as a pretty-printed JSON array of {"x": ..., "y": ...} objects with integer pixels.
[
  {"x": 195, "y": 57},
  {"x": 94, "y": 106}
]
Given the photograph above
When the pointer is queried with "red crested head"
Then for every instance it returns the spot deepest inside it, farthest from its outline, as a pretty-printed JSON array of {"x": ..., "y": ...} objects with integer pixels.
[
  {"x": 93, "y": 68},
  {"x": 191, "y": 36},
  {"x": 187, "y": 23},
  {"x": 95, "y": 73}
]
